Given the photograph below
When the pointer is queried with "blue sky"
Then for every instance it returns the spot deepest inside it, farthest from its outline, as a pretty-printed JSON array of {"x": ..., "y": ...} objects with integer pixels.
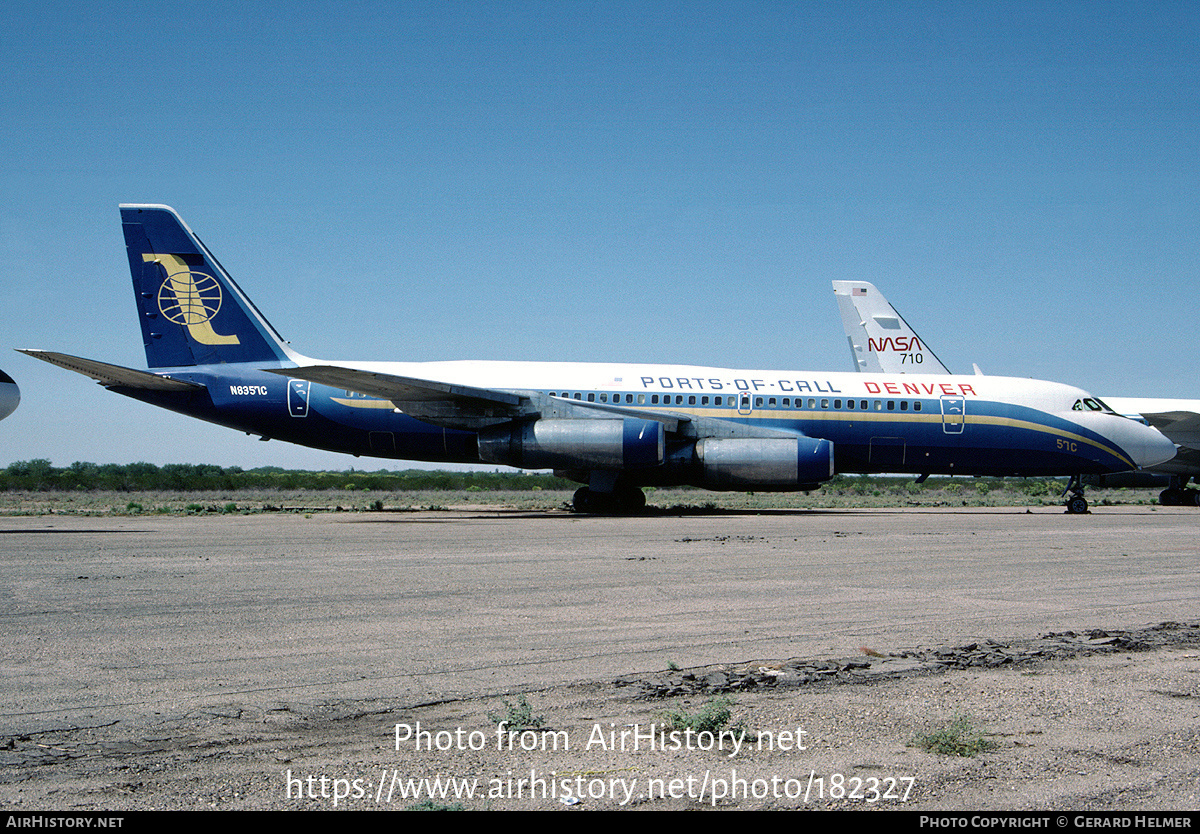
[{"x": 674, "y": 182}]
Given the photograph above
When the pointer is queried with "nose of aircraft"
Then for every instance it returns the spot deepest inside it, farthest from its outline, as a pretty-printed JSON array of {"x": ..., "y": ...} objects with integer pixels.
[
  {"x": 1145, "y": 445},
  {"x": 10, "y": 395}
]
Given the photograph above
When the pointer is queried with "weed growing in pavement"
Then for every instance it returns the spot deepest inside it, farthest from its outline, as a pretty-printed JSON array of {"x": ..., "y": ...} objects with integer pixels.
[
  {"x": 958, "y": 738},
  {"x": 518, "y": 716}
]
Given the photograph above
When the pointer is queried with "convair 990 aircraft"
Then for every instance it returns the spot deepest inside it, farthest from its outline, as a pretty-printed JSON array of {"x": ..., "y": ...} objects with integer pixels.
[{"x": 614, "y": 428}]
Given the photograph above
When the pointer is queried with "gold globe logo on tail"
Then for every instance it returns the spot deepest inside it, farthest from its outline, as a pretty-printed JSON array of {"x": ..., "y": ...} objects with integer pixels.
[{"x": 190, "y": 299}]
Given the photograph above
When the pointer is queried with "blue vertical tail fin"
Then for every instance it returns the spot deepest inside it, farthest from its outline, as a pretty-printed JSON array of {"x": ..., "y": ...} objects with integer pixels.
[{"x": 190, "y": 310}]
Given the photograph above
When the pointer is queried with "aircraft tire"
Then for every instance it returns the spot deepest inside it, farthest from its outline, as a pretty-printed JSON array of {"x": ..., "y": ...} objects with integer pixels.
[
  {"x": 631, "y": 500},
  {"x": 627, "y": 501},
  {"x": 582, "y": 500},
  {"x": 1077, "y": 505}
]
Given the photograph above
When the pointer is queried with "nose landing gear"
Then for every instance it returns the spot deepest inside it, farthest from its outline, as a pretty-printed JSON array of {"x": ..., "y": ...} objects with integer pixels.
[{"x": 1076, "y": 503}]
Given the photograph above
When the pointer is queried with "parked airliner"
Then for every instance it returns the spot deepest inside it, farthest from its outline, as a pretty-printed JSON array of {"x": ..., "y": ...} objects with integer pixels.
[
  {"x": 881, "y": 341},
  {"x": 613, "y": 427}
]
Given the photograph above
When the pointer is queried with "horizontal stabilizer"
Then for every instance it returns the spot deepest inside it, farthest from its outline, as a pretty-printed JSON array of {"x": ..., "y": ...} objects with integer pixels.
[{"x": 111, "y": 376}]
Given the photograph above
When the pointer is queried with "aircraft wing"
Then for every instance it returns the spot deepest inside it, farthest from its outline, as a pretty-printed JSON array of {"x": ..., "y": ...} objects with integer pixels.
[
  {"x": 113, "y": 376},
  {"x": 401, "y": 388},
  {"x": 461, "y": 406},
  {"x": 1178, "y": 420},
  {"x": 1181, "y": 427},
  {"x": 440, "y": 403},
  {"x": 881, "y": 341}
]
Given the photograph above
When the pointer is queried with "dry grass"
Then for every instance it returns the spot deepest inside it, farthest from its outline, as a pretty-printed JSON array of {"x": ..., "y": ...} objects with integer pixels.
[{"x": 839, "y": 495}]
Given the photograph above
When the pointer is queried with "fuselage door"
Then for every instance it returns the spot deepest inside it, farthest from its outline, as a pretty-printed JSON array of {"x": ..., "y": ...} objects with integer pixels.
[
  {"x": 298, "y": 390},
  {"x": 954, "y": 414},
  {"x": 745, "y": 403}
]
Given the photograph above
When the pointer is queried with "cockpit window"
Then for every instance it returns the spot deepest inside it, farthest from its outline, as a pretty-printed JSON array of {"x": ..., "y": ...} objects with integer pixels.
[{"x": 1092, "y": 404}]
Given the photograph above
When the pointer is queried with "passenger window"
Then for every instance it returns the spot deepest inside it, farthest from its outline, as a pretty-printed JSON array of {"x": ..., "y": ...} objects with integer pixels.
[
  {"x": 891, "y": 405},
  {"x": 654, "y": 399},
  {"x": 692, "y": 399},
  {"x": 641, "y": 399}
]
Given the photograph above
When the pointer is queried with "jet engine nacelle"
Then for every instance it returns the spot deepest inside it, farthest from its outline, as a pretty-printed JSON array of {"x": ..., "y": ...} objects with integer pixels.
[
  {"x": 623, "y": 443},
  {"x": 764, "y": 462}
]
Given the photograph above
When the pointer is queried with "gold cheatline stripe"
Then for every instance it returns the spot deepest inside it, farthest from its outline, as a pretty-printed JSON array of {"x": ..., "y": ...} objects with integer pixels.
[
  {"x": 364, "y": 403},
  {"x": 912, "y": 417}
]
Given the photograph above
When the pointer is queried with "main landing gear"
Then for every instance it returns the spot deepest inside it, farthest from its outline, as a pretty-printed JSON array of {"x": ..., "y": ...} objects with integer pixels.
[
  {"x": 623, "y": 500},
  {"x": 1076, "y": 503},
  {"x": 607, "y": 493},
  {"x": 1178, "y": 495}
]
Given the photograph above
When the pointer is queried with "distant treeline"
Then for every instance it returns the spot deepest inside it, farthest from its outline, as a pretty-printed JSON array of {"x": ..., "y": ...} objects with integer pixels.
[{"x": 40, "y": 476}]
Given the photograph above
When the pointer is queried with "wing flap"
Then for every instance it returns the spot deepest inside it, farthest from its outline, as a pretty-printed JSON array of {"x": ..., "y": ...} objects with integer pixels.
[{"x": 670, "y": 419}]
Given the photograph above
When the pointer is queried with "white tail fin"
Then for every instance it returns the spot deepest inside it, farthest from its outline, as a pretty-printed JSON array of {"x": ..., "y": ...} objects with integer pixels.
[{"x": 880, "y": 339}]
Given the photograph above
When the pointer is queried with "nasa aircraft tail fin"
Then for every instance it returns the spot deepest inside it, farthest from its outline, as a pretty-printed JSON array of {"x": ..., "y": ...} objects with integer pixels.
[
  {"x": 191, "y": 312},
  {"x": 880, "y": 339}
]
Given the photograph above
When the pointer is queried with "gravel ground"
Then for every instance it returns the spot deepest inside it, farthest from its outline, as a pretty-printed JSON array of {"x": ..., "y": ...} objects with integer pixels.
[{"x": 1099, "y": 722}]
